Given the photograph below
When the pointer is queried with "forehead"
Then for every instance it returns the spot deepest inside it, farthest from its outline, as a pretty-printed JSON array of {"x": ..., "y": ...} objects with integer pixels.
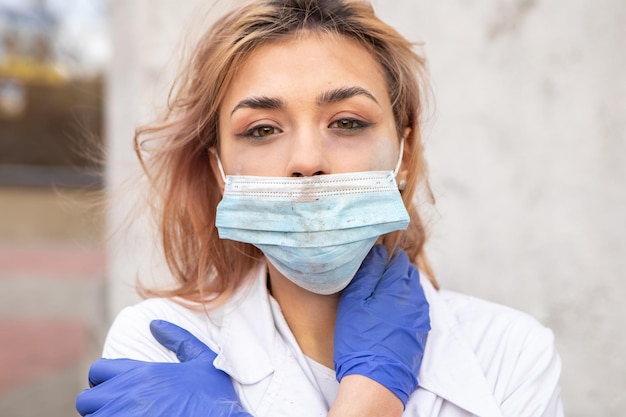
[{"x": 304, "y": 62}]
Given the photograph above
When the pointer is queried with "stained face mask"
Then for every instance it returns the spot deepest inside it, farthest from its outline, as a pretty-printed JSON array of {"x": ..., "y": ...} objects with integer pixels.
[{"x": 316, "y": 230}]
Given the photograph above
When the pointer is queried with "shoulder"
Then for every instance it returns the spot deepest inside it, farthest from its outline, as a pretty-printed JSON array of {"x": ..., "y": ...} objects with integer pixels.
[
  {"x": 500, "y": 335},
  {"x": 130, "y": 337},
  {"x": 484, "y": 321},
  {"x": 516, "y": 353}
]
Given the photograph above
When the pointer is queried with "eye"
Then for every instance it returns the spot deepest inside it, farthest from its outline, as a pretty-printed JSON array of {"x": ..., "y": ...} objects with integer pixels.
[
  {"x": 349, "y": 124},
  {"x": 261, "y": 131},
  {"x": 346, "y": 124}
]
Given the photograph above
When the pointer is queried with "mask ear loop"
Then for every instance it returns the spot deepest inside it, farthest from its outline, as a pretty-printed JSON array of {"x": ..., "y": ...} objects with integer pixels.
[
  {"x": 402, "y": 183},
  {"x": 399, "y": 163},
  {"x": 219, "y": 165}
]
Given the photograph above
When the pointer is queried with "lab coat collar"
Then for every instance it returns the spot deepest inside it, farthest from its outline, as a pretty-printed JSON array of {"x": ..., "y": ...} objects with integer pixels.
[
  {"x": 252, "y": 350},
  {"x": 450, "y": 368},
  {"x": 245, "y": 346}
]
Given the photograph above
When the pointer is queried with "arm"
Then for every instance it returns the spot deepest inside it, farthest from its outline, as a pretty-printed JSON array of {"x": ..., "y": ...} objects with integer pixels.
[
  {"x": 533, "y": 385},
  {"x": 373, "y": 383},
  {"x": 127, "y": 388},
  {"x": 193, "y": 387},
  {"x": 360, "y": 396},
  {"x": 380, "y": 336}
]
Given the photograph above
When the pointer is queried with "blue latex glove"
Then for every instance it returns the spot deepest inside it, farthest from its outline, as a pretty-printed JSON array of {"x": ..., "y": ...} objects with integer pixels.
[
  {"x": 124, "y": 387},
  {"x": 382, "y": 323}
]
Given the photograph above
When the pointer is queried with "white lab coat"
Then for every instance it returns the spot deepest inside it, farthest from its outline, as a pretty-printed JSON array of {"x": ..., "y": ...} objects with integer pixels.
[{"x": 481, "y": 359}]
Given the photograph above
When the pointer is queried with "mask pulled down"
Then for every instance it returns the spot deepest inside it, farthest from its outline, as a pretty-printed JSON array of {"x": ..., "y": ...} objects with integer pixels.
[{"x": 315, "y": 230}]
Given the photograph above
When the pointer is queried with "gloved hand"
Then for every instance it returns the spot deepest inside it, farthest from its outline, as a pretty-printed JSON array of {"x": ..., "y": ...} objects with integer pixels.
[
  {"x": 125, "y": 387},
  {"x": 382, "y": 323}
]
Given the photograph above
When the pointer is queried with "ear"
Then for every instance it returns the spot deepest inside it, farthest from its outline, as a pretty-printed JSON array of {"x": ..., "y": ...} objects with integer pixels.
[{"x": 213, "y": 160}]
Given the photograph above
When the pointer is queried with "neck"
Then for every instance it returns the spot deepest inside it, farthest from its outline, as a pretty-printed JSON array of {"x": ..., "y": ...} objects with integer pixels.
[{"x": 310, "y": 316}]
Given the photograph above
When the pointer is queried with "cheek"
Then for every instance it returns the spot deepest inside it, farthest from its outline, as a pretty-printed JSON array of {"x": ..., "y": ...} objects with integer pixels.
[
  {"x": 386, "y": 149},
  {"x": 235, "y": 164},
  {"x": 255, "y": 160},
  {"x": 384, "y": 154},
  {"x": 232, "y": 164}
]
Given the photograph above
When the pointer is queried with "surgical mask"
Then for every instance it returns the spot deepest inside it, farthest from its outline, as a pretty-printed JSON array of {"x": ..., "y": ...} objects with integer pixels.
[{"x": 316, "y": 230}]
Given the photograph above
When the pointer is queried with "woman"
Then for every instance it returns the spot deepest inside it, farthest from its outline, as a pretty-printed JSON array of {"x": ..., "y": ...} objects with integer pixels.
[{"x": 286, "y": 172}]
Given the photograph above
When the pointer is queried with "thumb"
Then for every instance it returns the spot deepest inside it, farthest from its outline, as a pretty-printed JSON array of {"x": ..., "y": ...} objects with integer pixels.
[
  {"x": 366, "y": 278},
  {"x": 396, "y": 278},
  {"x": 186, "y": 346}
]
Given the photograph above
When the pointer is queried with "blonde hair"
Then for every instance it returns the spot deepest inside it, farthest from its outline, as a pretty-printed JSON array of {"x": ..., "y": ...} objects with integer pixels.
[{"x": 174, "y": 152}]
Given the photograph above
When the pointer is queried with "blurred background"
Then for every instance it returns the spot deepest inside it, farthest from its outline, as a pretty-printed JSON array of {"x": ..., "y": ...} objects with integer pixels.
[
  {"x": 526, "y": 143},
  {"x": 53, "y": 56}
]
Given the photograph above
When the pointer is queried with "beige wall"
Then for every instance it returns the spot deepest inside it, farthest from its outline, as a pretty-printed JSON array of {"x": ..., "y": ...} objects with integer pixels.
[{"x": 526, "y": 152}]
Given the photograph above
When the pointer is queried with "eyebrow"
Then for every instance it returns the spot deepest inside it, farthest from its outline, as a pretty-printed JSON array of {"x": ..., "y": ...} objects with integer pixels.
[
  {"x": 327, "y": 97},
  {"x": 266, "y": 103},
  {"x": 343, "y": 93}
]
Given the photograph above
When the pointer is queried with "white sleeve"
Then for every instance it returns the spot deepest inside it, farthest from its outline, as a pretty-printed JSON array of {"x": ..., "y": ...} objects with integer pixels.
[
  {"x": 533, "y": 388},
  {"x": 130, "y": 337}
]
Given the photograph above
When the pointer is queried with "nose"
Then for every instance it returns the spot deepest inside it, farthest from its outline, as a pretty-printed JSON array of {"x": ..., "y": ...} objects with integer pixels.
[{"x": 307, "y": 157}]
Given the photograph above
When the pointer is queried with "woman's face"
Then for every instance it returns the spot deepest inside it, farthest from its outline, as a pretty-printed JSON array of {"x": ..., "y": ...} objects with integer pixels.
[{"x": 311, "y": 105}]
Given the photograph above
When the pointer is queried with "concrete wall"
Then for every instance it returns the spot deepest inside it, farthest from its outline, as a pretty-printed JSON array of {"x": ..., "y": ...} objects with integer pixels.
[
  {"x": 148, "y": 38},
  {"x": 526, "y": 150}
]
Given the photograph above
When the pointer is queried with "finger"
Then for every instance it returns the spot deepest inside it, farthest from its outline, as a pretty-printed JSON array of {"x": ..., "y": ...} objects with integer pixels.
[
  {"x": 419, "y": 297},
  {"x": 82, "y": 405},
  {"x": 91, "y": 400},
  {"x": 186, "y": 346},
  {"x": 414, "y": 281},
  {"x": 368, "y": 275},
  {"x": 104, "y": 369},
  {"x": 396, "y": 278}
]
